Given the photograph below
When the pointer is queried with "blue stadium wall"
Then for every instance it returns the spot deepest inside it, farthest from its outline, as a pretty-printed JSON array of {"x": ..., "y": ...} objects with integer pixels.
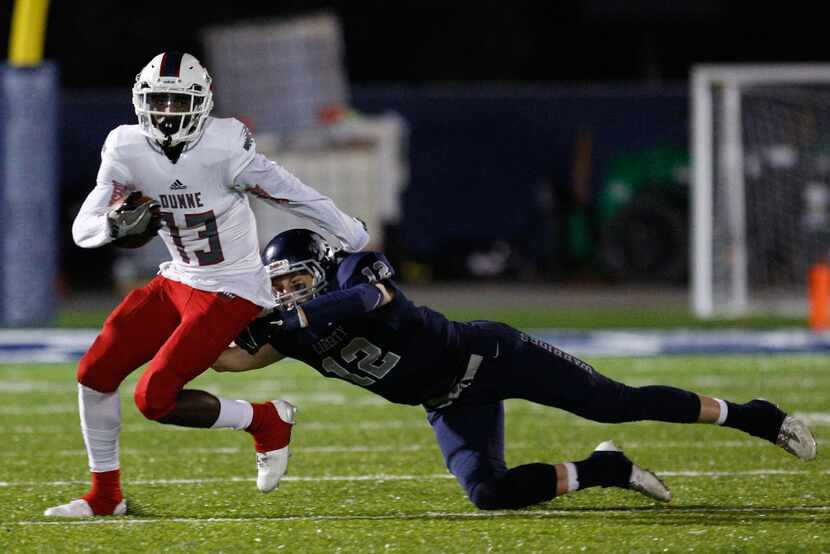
[{"x": 486, "y": 149}]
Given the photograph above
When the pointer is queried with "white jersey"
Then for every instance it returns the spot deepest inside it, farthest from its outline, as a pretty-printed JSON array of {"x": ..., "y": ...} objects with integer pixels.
[{"x": 209, "y": 227}]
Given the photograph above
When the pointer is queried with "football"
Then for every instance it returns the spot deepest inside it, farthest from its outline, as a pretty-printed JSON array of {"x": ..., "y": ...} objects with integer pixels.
[{"x": 132, "y": 201}]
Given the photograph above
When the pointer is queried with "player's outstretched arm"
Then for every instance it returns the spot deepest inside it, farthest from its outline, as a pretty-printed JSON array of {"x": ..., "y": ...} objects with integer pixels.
[
  {"x": 235, "y": 358},
  {"x": 278, "y": 187},
  {"x": 332, "y": 307}
]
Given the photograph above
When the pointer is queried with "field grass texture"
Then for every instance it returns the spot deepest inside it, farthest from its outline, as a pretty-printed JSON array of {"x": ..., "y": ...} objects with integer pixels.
[{"x": 367, "y": 476}]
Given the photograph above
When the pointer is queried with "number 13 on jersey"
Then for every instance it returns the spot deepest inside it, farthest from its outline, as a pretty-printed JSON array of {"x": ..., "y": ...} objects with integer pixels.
[{"x": 205, "y": 222}]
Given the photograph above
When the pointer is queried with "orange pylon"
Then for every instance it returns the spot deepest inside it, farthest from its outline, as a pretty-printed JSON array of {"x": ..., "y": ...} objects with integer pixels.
[{"x": 819, "y": 296}]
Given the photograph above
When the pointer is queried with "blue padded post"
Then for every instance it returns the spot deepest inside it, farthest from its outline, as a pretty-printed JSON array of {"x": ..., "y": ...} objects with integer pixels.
[{"x": 28, "y": 194}]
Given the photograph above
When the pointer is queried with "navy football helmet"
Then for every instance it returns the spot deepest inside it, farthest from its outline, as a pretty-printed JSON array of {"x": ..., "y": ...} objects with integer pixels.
[{"x": 298, "y": 250}]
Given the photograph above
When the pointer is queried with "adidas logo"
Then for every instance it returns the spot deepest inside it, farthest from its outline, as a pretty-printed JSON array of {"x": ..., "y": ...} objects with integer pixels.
[{"x": 178, "y": 185}]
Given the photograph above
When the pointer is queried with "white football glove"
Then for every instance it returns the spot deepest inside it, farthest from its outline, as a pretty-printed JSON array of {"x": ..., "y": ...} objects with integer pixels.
[{"x": 130, "y": 219}]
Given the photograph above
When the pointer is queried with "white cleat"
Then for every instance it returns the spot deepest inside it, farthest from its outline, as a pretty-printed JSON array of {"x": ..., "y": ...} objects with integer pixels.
[
  {"x": 797, "y": 439},
  {"x": 641, "y": 480},
  {"x": 647, "y": 483},
  {"x": 80, "y": 508},
  {"x": 272, "y": 465}
]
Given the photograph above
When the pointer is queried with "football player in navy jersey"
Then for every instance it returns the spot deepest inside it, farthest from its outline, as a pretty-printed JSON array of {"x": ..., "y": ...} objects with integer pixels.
[{"x": 344, "y": 315}]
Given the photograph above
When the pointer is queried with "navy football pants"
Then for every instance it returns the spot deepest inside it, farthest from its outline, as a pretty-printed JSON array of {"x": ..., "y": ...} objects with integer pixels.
[{"x": 470, "y": 431}]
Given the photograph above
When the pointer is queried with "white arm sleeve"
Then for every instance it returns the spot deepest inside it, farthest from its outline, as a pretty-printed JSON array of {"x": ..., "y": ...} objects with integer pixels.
[
  {"x": 90, "y": 228},
  {"x": 281, "y": 189}
]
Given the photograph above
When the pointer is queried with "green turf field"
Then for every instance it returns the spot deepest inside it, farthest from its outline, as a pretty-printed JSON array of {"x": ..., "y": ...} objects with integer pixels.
[{"x": 366, "y": 475}]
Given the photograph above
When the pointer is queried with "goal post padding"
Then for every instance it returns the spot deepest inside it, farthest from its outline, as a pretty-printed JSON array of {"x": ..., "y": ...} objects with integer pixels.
[
  {"x": 29, "y": 199},
  {"x": 761, "y": 186}
]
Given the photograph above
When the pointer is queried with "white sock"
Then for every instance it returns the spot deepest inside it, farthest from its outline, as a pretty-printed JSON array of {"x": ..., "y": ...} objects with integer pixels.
[
  {"x": 724, "y": 410},
  {"x": 573, "y": 478},
  {"x": 234, "y": 414},
  {"x": 101, "y": 425}
]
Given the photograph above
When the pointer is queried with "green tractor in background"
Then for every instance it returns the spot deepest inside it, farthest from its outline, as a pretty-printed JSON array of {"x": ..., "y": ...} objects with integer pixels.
[{"x": 642, "y": 215}]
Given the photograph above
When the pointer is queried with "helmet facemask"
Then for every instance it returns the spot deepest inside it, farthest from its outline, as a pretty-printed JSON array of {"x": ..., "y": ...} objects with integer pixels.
[
  {"x": 288, "y": 300},
  {"x": 170, "y": 117}
]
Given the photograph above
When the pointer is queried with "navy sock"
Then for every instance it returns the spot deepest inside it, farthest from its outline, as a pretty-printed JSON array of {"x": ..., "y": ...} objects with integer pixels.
[
  {"x": 757, "y": 417},
  {"x": 603, "y": 469}
]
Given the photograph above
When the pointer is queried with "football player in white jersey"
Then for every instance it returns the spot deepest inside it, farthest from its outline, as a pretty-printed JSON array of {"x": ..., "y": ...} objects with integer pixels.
[{"x": 199, "y": 170}]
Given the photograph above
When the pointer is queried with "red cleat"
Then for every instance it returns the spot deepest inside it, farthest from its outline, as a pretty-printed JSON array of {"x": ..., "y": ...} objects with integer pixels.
[{"x": 271, "y": 428}]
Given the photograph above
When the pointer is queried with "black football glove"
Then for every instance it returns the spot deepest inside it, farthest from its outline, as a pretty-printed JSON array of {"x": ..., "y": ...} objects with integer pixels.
[
  {"x": 285, "y": 322},
  {"x": 131, "y": 218},
  {"x": 254, "y": 336},
  {"x": 260, "y": 330}
]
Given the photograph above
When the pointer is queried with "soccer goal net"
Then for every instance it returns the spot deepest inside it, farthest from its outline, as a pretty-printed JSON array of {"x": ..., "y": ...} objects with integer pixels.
[{"x": 761, "y": 186}]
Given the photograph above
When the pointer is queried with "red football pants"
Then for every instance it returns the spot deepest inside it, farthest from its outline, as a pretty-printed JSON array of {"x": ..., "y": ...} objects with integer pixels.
[{"x": 178, "y": 329}]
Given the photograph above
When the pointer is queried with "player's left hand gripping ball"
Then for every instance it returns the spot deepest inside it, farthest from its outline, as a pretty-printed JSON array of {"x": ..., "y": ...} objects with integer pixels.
[{"x": 135, "y": 221}]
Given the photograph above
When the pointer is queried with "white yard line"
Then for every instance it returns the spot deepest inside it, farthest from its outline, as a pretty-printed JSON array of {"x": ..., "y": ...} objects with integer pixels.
[
  {"x": 819, "y": 419},
  {"x": 379, "y": 477},
  {"x": 384, "y": 477},
  {"x": 148, "y": 426},
  {"x": 814, "y": 418},
  {"x": 28, "y": 409},
  {"x": 425, "y": 515},
  {"x": 19, "y": 387},
  {"x": 335, "y": 449},
  {"x": 249, "y": 450},
  {"x": 742, "y": 473}
]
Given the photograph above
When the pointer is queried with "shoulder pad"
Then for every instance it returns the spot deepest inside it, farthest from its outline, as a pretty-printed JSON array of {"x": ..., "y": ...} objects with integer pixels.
[
  {"x": 232, "y": 141},
  {"x": 229, "y": 134},
  {"x": 123, "y": 140},
  {"x": 364, "y": 267}
]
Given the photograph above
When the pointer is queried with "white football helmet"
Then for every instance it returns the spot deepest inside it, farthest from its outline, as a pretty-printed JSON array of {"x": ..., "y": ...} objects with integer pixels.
[{"x": 172, "y": 98}]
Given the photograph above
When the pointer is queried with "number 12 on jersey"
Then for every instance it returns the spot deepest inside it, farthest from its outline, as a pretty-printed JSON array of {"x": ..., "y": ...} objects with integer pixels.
[
  {"x": 370, "y": 362},
  {"x": 206, "y": 220}
]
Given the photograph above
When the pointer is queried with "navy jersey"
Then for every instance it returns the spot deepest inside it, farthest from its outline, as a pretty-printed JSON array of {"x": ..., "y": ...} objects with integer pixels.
[{"x": 406, "y": 353}]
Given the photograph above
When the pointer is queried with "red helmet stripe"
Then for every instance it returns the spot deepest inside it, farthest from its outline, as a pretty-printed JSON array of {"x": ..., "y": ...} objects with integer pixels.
[{"x": 170, "y": 64}]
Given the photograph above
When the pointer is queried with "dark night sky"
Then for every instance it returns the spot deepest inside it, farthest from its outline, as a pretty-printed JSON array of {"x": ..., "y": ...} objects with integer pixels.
[{"x": 104, "y": 44}]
